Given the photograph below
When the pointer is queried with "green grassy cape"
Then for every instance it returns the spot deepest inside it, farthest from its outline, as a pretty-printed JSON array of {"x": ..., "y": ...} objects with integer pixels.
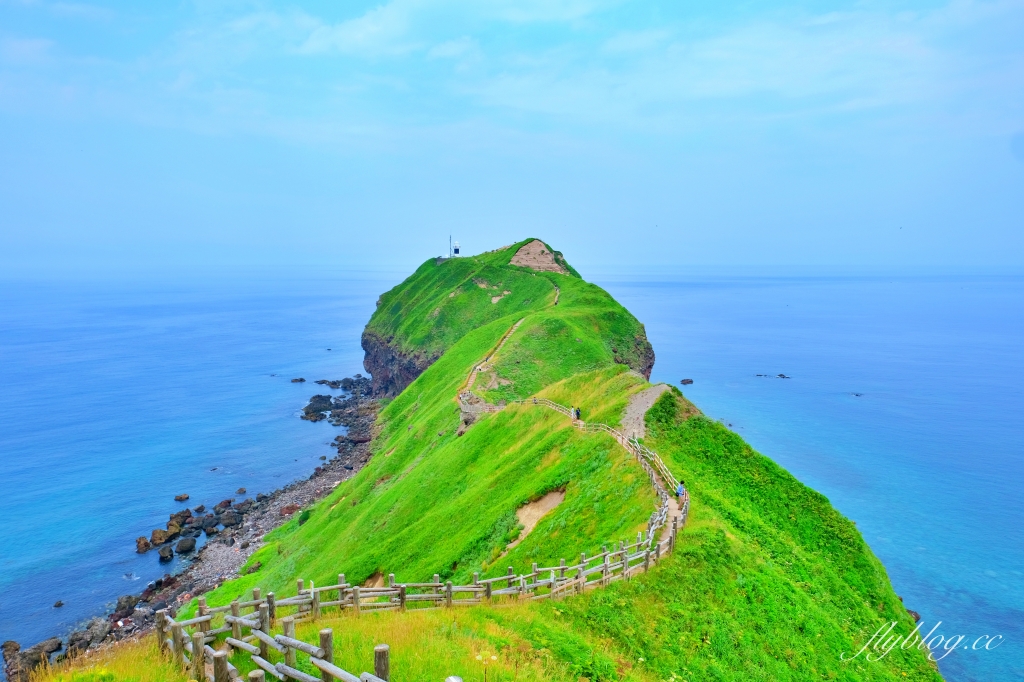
[{"x": 767, "y": 582}]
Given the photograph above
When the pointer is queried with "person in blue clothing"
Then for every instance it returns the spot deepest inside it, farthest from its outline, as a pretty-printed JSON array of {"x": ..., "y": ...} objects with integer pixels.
[{"x": 679, "y": 492}]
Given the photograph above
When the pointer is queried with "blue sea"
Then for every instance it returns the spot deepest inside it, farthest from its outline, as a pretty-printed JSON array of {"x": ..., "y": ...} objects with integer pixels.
[{"x": 904, "y": 407}]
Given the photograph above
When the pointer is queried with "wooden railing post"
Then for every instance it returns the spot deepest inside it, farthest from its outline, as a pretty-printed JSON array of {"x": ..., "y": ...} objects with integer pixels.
[
  {"x": 236, "y": 627},
  {"x": 271, "y": 609},
  {"x": 511, "y": 575},
  {"x": 401, "y": 597},
  {"x": 199, "y": 656},
  {"x": 178, "y": 641},
  {"x": 255, "y": 676},
  {"x": 265, "y": 629},
  {"x": 355, "y": 600},
  {"x": 288, "y": 626},
  {"x": 647, "y": 560},
  {"x": 315, "y": 606},
  {"x": 487, "y": 591},
  {"x": 203, "y": 610},
  {"x": 447, "y": 595},
  {"x": 220, "y": 667},
  {"x": 561, "y": 570},
  {"x": 382, "y": 662},
  {"x": 327, "y": 644},
  {"x": 161, "y": 629}
]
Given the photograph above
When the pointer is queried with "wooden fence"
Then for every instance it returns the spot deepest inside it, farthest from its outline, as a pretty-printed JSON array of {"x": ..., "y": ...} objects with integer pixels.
[{"x": 247, "y": 624}]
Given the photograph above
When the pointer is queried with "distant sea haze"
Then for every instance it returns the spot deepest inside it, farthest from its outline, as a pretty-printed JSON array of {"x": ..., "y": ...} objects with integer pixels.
[{"x": 902, "y": 407}]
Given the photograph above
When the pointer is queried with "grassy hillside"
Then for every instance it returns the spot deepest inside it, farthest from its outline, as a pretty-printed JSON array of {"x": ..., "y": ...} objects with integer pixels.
[{"x": 768, "y": 581}]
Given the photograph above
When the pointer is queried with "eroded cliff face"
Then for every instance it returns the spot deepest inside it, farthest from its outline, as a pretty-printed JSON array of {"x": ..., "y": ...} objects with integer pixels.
[
  {"x": 644, "y": 356},
  {"x": 636, "y": 353},
  {"x": 390, "y": 369}
]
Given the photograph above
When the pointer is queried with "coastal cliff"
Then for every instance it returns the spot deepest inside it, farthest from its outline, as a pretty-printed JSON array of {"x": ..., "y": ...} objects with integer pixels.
[
  {"x": 416, "y": 322},
  {"x": 391, "y": 369},
  {"x": 767, "y": 581}
]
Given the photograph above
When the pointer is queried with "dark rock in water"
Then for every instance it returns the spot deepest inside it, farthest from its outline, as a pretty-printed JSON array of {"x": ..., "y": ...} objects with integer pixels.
[
  {"x": 243, "y": 506},
  {"x": 260, "y": 497},
  {"x": 209, "y": 521},
  {"x": 317, "y": 405},
  {"x": 180, "y": 518},
  {"x": 200, "y": 509},
  {"x": 323, "y": 457},
  {"x": 223, "y": 506},
  {"x": 181, "y": 498},
  {"x": 185, "y": 545},
  {"x": 125, "y": 605},
  {"x": 300, "y": 380},
  {"x": 212, "y": 530},
  {"x": 160, "y": 536},
  {"x": 142, "y": 545},
  {"x": 166, "y": 553},
  {"x": 686, "y": 382},
  {"x": 240, "y": 491},
  {"x": 58, "y": 604},
  {"x": 915, "y": 615},
  {"x": 193, "y": 532},
  {"x": 782, "y": 376},
  {"x": 19, "y": 662},
  {"x": 230, "y": 518},
  {"x": 91, "y": 635}
]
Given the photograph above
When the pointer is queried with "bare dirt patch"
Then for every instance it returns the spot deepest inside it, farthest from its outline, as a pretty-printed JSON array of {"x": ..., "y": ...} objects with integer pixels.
[
  {"x": 536, "y": 256},
  {"x": 375, "y": 580},
  {"x": 531, "y": 514},
  {"x": 639, "y": 403}
]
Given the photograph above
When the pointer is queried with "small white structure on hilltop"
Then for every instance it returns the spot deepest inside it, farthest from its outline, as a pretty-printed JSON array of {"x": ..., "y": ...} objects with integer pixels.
[{"x": 455, "y": 251}]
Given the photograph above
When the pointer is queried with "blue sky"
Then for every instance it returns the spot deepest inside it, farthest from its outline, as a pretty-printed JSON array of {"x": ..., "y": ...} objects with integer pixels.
[{"x": 720, "y": 134}]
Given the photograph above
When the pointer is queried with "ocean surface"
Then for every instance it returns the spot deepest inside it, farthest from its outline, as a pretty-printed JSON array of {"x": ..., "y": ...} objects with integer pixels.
[{"x": 905, "y": 407}]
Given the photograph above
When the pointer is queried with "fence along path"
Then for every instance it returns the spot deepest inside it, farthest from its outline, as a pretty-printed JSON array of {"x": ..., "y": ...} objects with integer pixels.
[{"x": 189, "y": 641}]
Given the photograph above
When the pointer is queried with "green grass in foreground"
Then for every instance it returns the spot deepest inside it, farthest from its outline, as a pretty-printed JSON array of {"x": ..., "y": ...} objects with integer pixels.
[{"x": 768, "y": 581}]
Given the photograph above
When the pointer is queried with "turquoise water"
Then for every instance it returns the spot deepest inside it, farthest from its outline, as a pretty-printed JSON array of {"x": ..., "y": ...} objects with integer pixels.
[
  {"x": 114, "y": 398},
  {"x": 928, "y": 460}
]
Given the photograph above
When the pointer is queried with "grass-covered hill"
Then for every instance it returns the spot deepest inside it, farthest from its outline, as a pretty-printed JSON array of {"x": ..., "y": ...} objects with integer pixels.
[
  {"x": 767, "y": 582},
  {"x": 417, "y": 321}
]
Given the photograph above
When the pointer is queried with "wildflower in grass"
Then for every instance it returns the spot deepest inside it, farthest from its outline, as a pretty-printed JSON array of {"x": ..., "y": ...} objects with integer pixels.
[{"x": 486, "y": 659}]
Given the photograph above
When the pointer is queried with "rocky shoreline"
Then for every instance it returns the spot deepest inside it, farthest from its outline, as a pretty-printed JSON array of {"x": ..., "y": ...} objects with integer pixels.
[{"x": 234, "y": 531}]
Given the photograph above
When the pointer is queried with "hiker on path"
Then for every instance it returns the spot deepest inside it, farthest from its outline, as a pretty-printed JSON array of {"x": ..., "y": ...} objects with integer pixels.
[
  {"x": 578, "y": 413},
  {"x": 679, "y": 492}
]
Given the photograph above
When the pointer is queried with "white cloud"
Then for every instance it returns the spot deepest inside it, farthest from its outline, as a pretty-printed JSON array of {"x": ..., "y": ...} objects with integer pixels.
[
  {"x": 637, "y": 41},
  {"x": 81, "y": 10},
  {"x": 382, "y": 30},
  {"x": 453, "y": 49},
  {"x": 25, "y": 50}
]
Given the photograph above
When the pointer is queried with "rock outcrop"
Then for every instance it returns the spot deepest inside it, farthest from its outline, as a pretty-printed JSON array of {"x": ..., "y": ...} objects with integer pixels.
[
  {"x": 391, "y": 368},
  {"x": 536, "y": 256},
  {"x": 19, "y": 663}
]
